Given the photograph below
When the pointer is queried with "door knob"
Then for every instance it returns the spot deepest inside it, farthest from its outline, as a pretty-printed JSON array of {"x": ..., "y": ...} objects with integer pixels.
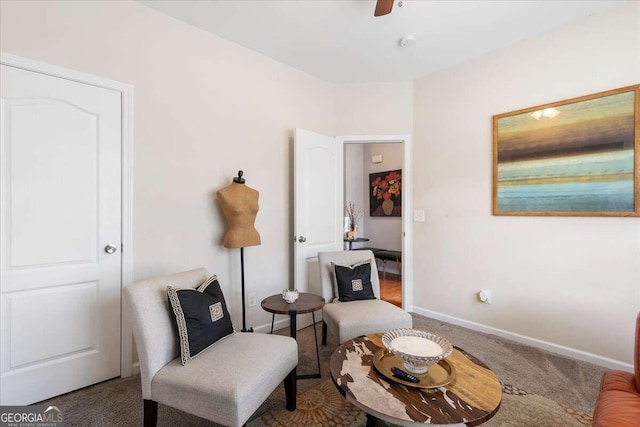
[
  {"x": 110, "y": 249},
  {"x": 302, "y": 239}
]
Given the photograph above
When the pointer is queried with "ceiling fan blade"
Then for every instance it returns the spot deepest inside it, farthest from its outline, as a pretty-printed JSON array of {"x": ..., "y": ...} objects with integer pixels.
[{"x": 383, "y": 7}]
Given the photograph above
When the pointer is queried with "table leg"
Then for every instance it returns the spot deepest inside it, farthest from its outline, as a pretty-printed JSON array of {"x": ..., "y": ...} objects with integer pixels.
[
  {"x": 315, "y": 334},
  {"x": 292, "y": 326},
  {"x": 371, "y": 421},
  {"x": 273, "y": 316}
]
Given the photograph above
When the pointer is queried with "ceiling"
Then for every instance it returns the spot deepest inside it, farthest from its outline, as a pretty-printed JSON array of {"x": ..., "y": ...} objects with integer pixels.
[{"x": 342, "y": 42}]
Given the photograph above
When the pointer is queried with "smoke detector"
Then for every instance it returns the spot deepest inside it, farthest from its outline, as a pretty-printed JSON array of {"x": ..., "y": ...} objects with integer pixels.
[{"x": 408, "y": 40}]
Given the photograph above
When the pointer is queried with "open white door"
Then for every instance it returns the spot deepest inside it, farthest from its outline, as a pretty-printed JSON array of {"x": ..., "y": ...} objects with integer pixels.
[
  {"x": 60, "y": 239},
  {"x": 318, "y": 189}
]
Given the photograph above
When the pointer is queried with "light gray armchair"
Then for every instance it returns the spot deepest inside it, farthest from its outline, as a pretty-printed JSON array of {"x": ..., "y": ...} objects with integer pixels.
[
  {"x": 347, "y": 320},
  {"x": 225, "y": 383}
]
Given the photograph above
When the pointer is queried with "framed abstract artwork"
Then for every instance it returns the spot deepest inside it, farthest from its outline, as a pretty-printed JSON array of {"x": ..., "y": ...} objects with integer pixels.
[
  {"x": 385, "y": 193},
  {"x": 577, "y": 157}
]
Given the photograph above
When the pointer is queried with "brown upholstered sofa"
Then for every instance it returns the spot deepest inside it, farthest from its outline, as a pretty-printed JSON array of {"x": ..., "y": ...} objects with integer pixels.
[{"x": 618, "y": 403}]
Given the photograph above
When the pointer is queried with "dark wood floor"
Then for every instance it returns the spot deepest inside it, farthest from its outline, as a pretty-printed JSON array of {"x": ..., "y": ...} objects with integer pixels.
[{"x": 391, "y": 289}]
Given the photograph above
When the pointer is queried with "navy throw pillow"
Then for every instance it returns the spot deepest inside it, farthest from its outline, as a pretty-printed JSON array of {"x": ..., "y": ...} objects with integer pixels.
[
  {"x": 354, "y": 282},
  {"x": 201, "y": 317}
]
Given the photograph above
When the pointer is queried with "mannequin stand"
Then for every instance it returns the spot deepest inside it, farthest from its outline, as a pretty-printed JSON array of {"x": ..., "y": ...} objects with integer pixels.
[{"x": 244, "y": 316}]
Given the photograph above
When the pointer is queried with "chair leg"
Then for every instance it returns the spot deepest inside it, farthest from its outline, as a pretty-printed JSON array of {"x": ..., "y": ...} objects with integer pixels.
[
  {"x": 324, "y": 333},
  {"x": 290, "y": 389},
  {"x": 150, "y": 413}
]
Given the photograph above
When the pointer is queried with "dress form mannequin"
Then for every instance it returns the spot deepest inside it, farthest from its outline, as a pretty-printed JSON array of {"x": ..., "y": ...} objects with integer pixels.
[{"x": 240, "y": 207}]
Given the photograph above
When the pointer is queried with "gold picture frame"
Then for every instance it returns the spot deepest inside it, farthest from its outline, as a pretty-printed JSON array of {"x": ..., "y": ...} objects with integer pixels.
[{"x": 577, "y": 157}]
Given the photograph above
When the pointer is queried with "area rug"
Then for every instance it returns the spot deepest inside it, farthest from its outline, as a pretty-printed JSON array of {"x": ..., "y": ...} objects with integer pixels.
[
  {"x": 324, "y": 406},
  {"x": 320, "y": 406},
  {"x": 560, "y": 392}
]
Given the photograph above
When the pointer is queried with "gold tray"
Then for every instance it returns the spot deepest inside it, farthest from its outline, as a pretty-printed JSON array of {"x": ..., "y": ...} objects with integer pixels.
[{"x": 438, "y": 375}]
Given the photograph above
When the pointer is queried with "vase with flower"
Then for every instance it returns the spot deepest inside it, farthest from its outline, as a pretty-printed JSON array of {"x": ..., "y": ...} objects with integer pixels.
[{"x": 354, "y": 212}]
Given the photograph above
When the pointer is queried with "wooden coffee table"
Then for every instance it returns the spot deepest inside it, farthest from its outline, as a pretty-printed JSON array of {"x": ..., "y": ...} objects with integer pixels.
[
  {"x": 472, "y": 398},
  {"x": 306, "y": 303}
]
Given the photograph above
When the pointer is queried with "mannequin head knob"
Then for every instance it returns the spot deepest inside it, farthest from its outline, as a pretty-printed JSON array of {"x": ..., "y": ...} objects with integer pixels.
[{"x": 239, "y": 179}]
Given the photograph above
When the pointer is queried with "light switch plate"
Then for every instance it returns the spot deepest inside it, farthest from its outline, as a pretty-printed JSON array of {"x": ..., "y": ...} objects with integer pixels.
[{"x": 418, "y": 216}]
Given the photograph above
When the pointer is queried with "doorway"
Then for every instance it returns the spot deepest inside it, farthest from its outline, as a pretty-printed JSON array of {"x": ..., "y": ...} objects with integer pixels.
[
  {"x": 373, "y": 188},
  {"x": 319, "y": 169},
  {"x": 388, "y": 233}
]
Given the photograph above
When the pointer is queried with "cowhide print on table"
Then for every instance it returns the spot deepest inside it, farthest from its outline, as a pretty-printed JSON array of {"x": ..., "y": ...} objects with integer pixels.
[{"x": 471, "y": 398}]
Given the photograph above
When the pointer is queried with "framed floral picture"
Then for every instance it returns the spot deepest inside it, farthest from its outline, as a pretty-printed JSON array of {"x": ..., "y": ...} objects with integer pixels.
[{"x": 385, "y": 193}]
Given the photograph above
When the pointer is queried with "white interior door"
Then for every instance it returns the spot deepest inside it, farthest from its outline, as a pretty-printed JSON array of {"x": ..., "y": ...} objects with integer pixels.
[
  {"x": 318, "y": 214},
  {"x": 60, "y": 181}
]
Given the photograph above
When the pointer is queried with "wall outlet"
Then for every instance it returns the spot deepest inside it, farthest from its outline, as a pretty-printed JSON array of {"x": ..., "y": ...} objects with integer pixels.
[
  {"x": 484, "y": 296},
  {"x": 418, "y": 216},
  {"x": 252, "y": 299}
]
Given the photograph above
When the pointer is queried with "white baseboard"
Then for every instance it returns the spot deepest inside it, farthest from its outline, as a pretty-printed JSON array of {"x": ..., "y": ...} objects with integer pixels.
[
  {"x": 302, "y": 321},
  {"x": 266, "y": 328},
  {"x": 135, "y": 368},
  {"x": 533, "y": 342}
]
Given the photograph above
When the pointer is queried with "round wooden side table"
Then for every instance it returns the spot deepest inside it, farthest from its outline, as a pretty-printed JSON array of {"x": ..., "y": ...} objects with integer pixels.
[{"x": 306, "y": 303}]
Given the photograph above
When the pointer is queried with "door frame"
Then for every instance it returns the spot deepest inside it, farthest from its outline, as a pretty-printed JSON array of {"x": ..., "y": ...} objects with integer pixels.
[
  {"x": 126, "y": 253},
  {"x": 407, "y": 205}
]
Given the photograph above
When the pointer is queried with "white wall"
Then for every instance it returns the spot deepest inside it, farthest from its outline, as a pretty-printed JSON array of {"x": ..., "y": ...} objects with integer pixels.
[
  {"x": 575, "y": 281},
  {"x": 204, "y": 108},
  {"x": 354, "y": 182},
  {"x": 374, "y": 109}
]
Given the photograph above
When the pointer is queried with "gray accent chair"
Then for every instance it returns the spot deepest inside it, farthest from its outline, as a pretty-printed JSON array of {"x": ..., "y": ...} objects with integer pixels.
[
  {"x": 347, "y": 320},
  {"x": 225, "y": 383}
]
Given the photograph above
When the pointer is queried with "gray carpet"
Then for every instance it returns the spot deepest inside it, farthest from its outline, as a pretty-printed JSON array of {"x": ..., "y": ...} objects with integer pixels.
[{"x": 540, "y": 389}]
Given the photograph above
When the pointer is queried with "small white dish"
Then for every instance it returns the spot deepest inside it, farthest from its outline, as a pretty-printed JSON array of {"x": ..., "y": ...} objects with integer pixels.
[{"x": 290, "y": 296}]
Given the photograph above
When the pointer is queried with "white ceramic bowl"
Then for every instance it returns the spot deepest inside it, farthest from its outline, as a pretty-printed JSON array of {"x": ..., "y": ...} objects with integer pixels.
[{"x": 417, "y": 349}]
